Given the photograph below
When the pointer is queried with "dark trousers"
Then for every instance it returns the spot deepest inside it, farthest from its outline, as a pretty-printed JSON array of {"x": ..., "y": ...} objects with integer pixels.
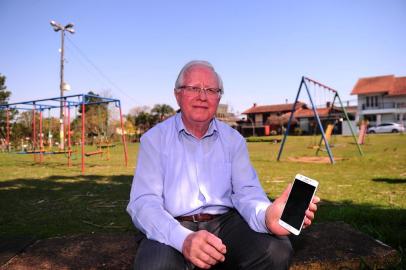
[{"x": 246, "y": 249}]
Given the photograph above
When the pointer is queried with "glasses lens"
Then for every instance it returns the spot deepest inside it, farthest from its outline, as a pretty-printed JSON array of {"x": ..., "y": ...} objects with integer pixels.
[{"x": 194, "y": 90}]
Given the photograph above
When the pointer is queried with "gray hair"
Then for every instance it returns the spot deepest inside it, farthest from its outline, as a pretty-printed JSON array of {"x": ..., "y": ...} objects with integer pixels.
[{"x": 194, "y": 63}]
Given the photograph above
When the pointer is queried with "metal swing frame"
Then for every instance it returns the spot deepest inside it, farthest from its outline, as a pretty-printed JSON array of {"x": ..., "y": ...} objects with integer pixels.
[
  {"x": 316, "y": 115},
  {"x": 67, "y": 102}
]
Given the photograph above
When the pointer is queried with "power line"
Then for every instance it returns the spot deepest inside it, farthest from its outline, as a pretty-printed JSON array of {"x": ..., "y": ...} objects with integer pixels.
[
  {"x": 101, "y": 73},
  {"x": 86, "y": 67}
]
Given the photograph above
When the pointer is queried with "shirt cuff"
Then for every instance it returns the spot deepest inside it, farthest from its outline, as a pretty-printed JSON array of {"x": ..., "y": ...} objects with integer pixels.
[
  {"x": 261, "y": 218},
  {"x": 178, "y": 236}
]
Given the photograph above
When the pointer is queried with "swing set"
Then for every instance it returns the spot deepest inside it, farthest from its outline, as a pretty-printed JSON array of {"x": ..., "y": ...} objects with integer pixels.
[
  {"x": 103, "y": 143},
  {"x": 326, "y": 135},
  {"x": 66, "y": 103}
]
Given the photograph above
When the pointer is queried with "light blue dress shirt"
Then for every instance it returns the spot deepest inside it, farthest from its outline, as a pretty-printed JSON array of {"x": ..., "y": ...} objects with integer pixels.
[{"x": 178, "y": 174}]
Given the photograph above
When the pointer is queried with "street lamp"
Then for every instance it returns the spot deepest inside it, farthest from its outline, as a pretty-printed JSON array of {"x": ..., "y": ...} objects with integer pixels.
[{"x": 63, "y": 86}]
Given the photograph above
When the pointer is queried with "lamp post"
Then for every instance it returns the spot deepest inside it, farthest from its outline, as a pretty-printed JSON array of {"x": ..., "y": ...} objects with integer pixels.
[{"x": 58, "y": 27}]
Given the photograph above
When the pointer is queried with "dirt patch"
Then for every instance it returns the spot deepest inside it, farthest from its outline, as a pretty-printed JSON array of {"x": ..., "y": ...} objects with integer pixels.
[
  {"x": 332, "y": 245},
  {"x": 336, "y": 245},
  {"x": 10, "y": 247},
  {"x": 314, "y": 159},
  {"x": 95, "y": 251}
]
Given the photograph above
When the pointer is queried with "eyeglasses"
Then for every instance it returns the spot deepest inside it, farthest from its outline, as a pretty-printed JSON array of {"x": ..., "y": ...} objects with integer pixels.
[{"x": 195, "y": 90}]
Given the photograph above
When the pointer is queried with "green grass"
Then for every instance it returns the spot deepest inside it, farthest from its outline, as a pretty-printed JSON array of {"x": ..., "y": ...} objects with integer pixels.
[{"x": 50, "y": 199}]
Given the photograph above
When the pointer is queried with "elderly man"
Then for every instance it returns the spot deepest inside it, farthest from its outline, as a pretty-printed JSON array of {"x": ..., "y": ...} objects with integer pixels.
[{"x": 195, "y": 196}]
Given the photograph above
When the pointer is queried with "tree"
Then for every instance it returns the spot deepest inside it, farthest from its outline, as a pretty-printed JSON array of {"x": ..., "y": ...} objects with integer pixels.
[
  {"x": 145, "y": 121},
  {"x": 162, "y": 111},
  {"x": 143, "y": 118},
  {"x": 139, "y": 117},
  {"x": 96, "y": 117},
  {"x": 138, "y": 109},
  {"x": 4, "y": 93},
  {"x": 280, "y": 121},
  {"x": 4, "y": 98},
  {"x": 22, "y": 129}
]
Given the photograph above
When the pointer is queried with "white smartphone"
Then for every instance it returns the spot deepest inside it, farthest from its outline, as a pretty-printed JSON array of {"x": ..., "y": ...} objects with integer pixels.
[{"x": 300, "y": 196}]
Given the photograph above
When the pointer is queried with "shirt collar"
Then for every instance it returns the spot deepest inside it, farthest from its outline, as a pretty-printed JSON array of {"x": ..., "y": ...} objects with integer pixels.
[{"x": 180, "y": 127}]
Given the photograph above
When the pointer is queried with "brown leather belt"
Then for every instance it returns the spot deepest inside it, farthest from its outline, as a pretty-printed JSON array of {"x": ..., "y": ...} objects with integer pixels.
[{"x": 198, "y": 217}]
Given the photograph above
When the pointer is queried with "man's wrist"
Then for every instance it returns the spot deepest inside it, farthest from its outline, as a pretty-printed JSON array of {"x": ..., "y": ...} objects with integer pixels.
[{"x": 177, "y": 237}]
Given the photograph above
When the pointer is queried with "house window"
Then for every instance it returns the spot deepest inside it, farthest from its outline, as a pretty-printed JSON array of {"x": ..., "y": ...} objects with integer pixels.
[
  {"x": 258, "y": 119},
  {"x": 372, "y": 101},
  {"x": 370, "y": 118}
]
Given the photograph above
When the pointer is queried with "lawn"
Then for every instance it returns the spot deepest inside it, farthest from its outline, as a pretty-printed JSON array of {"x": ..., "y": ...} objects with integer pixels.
[{"x": 50, "y": 199}]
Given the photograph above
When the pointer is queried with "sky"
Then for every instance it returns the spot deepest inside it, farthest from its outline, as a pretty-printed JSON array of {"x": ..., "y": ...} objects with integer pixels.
[{"x": 133, "y": 50}]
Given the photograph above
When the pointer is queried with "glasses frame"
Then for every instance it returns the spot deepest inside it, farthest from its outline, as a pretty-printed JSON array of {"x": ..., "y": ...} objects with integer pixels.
[{"x": 196, "y": 90}]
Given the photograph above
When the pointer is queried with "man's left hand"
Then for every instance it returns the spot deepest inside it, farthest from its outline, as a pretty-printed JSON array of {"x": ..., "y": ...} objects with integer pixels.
[{"x": 274, "y": 213}]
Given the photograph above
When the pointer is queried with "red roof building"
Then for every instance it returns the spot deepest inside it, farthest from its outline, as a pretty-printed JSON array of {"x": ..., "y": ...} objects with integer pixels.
[
  {"x": 381, "y": 99},
  {"x": 389, "y": 85},
  {"x": 272, "y": 109},
  {"x": 261, "y": 119},
  {"x": 269, "y": 119}
]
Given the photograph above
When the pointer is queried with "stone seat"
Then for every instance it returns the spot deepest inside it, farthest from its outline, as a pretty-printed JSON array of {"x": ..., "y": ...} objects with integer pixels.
[{"x": 333, "y": 245}]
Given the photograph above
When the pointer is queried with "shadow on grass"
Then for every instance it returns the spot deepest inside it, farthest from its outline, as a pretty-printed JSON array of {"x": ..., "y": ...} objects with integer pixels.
[
  {"x": 63, "y": 205},
  {"x": 381, "y": 223},
  {"x": 390, "y": 180}
]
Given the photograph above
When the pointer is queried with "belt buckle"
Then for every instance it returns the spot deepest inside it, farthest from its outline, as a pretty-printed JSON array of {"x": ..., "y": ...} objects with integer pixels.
[{"x": 194, "y": 219}]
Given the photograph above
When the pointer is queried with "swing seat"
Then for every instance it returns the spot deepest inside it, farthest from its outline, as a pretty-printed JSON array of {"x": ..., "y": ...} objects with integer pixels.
[
  {"x": 32, "y": 152},
  {"x": 88, "y": 154},
  {"x": 103, "y": 146},
  {"x": 61, "y": 152}
]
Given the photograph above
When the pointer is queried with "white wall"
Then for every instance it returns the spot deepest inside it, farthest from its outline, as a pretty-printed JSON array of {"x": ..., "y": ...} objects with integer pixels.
[
  {"x": 346, "y": 129},
  {"x": 388, "y": 118},
  {"x": 304, "y": 124}
]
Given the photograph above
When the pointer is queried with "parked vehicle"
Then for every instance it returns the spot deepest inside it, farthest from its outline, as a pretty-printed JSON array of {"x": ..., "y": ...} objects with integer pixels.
[{"x": 387, "y": 128}]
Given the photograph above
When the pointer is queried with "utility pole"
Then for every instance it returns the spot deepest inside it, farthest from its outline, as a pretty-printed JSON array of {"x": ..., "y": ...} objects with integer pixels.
[{"x": 62, "y": 86}]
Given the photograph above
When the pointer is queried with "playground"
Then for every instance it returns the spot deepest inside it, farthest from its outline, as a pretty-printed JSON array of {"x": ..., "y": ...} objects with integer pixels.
[
  {"x": 42, "y": 200},
  {"x": 38, "y": 142}
]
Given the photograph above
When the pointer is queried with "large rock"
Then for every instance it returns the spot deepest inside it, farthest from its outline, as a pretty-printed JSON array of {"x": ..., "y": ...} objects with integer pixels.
[{"x": 322, "y": 246}]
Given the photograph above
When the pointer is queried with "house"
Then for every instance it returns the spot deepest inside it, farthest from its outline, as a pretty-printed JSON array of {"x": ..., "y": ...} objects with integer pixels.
[
  {"x": 223, "y": 114},
  {"x": 266, "y": 119},
  {"x": 270, "y": 119},
  {"x": 381, "y": 99},
  {"x": 305, "y": 122}
]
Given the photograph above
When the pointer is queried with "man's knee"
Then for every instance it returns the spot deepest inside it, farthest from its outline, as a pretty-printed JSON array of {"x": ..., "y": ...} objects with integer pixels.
[
  {"x": 153, "y": 255},
  {"x": 279, "y": 253}
]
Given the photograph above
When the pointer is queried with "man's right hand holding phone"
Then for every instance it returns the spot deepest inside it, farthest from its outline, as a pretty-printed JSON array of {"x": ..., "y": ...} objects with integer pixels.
[{"x": 274, "y": 213}]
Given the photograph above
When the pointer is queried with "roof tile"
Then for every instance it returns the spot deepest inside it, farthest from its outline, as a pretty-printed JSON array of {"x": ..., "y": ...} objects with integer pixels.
[
  {"x": 273, "y": 108},
  {"x": 389, "y": 84},
  {"x": 399, "y": 87}
]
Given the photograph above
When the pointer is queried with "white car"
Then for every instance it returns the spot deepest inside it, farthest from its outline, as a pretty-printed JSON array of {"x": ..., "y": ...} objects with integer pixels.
[{"x": 387, "y": 128}]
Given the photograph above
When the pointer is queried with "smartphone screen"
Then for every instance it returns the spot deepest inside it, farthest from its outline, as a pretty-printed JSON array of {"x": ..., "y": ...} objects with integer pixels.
[{"x": 297, "y": 204}]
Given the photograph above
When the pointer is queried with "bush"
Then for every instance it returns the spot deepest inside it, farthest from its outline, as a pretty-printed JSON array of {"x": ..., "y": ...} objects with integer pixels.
[{"x": 298, "y": 131}]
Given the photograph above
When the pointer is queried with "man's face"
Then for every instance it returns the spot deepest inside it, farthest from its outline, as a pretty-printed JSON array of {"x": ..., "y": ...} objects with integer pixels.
[{"x": 198, "y": 108}]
